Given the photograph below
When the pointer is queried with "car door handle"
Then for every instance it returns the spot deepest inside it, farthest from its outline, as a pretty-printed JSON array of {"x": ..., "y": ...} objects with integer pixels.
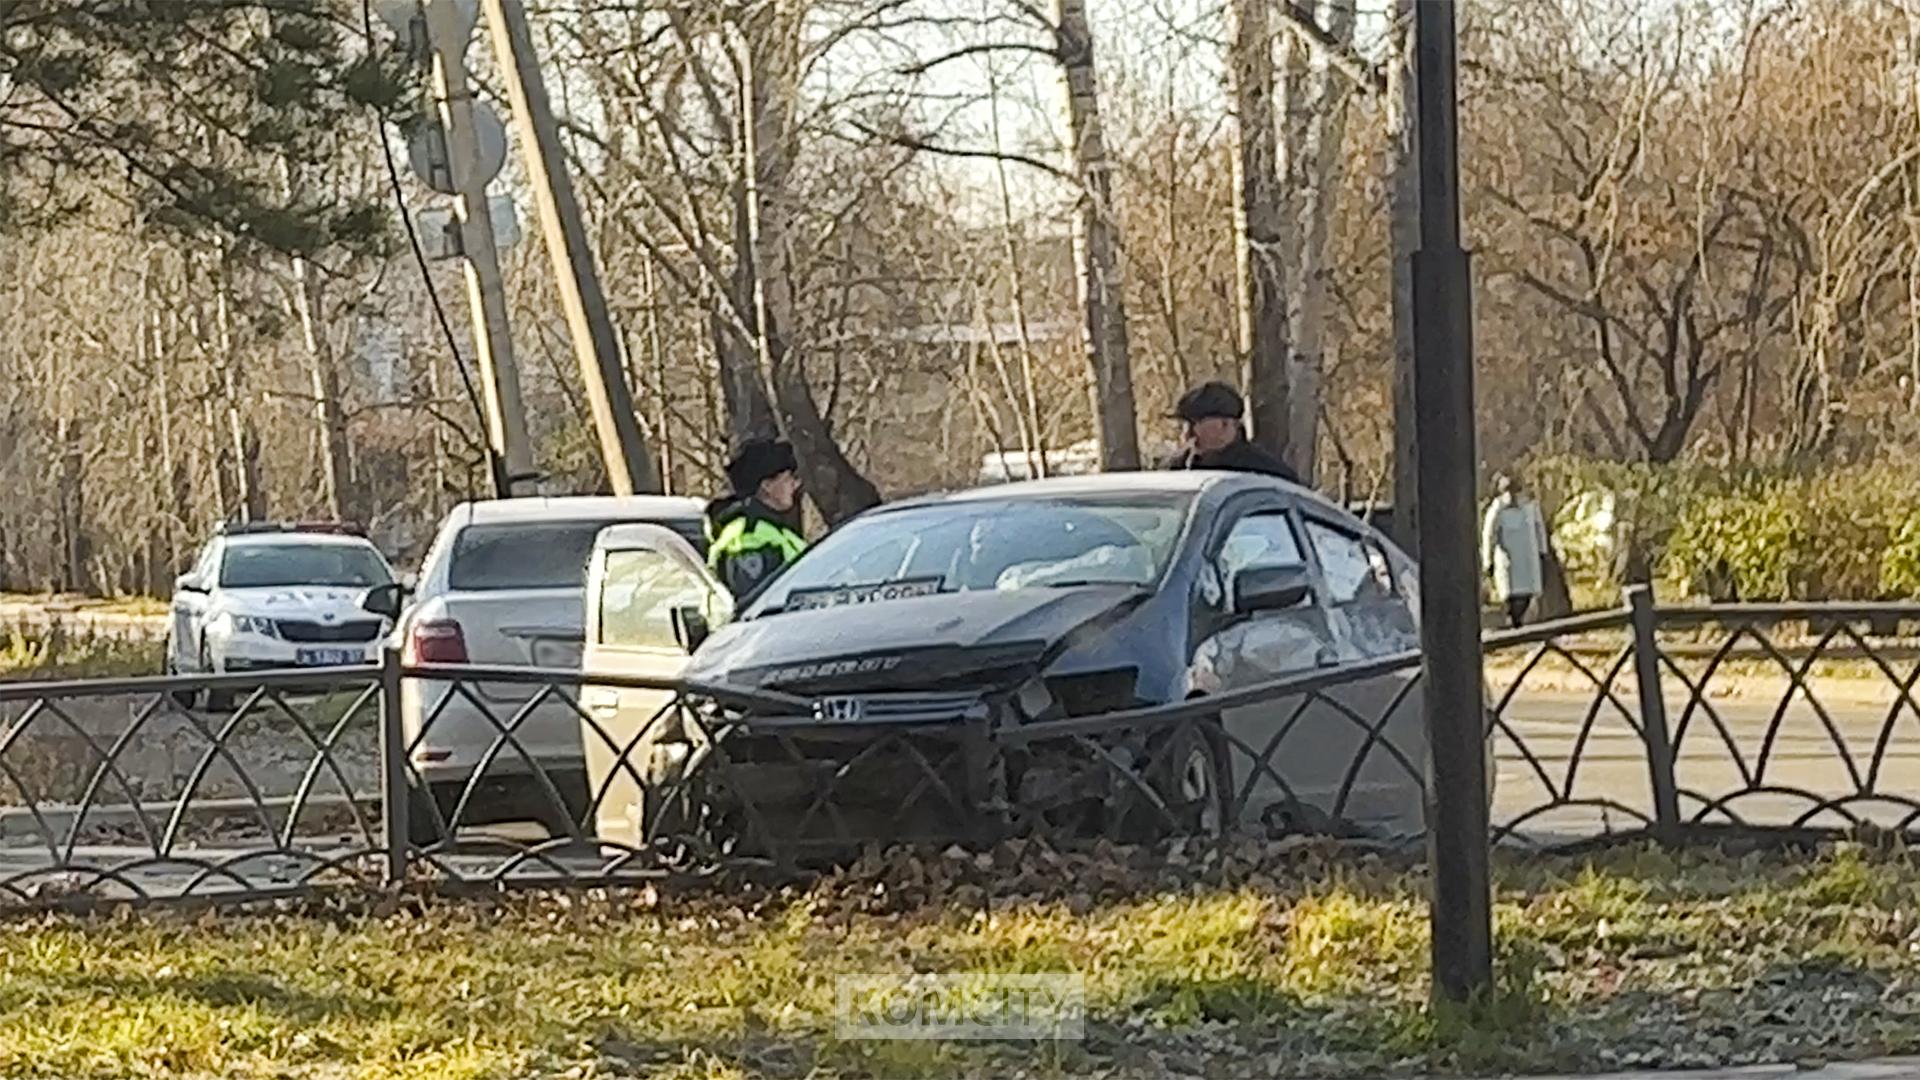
[
  {"x": 1326, "y": 658},
  {"x": 604, "y": 702}
]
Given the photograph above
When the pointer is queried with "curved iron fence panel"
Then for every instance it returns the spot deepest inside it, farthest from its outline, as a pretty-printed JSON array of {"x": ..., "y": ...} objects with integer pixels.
[
  {"x": 133, "y": 790},
  {"x": 1679, "y": 722}
]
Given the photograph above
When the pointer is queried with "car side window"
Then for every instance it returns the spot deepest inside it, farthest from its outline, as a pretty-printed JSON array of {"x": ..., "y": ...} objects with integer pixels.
[
  {"x": 1355, "y": 569},
  {"x": 638, "y": 595},
  {"x": 1262, "y": 541}
]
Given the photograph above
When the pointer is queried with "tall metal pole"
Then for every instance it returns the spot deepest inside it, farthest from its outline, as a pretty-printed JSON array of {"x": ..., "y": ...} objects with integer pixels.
[
  {"x": 512, "y": 455},
  {"x": 595, "y": 344},
  {"x": 1449, "y": 541}
]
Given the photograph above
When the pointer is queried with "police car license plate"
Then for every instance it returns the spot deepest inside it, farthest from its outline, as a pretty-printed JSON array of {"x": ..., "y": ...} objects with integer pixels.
[{"x": 328, "y": 657}]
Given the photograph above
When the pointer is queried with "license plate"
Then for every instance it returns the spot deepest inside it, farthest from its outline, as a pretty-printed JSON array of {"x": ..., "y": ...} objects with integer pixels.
[
  {"x": 328, "y": 657},
  {"x": 840, "y": 595}
]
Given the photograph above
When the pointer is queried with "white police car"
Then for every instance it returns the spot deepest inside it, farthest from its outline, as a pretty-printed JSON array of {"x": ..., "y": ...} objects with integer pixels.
[{"x": 266, "y": 597}]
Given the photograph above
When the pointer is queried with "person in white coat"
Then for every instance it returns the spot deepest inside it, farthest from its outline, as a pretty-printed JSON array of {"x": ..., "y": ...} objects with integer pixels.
[{"x": 1513, "y": 544}]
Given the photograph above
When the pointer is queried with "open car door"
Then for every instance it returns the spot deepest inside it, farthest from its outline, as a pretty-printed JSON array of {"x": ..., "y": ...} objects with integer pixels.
[{"x": 645, "y": 587}]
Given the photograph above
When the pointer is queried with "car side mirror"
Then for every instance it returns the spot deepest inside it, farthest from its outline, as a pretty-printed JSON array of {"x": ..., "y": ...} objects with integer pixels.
[
  {"x": 189, "y": 584},
  {"x": 690, "y": 628},
  {"x": 1270, "y": 588},
  {"x": 385, "y": 600}
]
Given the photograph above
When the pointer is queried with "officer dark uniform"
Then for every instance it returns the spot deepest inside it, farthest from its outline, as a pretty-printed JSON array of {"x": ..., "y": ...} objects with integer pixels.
[
  {"x": 1218, "y": 402},
  {"x": 748, "y": 535}
]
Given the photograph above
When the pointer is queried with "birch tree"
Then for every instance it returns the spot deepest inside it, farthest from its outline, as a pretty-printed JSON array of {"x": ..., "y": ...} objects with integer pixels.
[
  {"x": 1260, "y": 213},
  {"x": 1102, "y": 290}
]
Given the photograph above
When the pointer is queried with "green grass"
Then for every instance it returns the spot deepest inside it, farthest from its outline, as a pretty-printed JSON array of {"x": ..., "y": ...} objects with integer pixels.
[{"x": 1303, "y": 967}]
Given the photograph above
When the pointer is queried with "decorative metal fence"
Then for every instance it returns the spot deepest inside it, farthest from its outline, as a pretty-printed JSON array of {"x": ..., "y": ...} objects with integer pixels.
[{"x": 1678, "y": 722}]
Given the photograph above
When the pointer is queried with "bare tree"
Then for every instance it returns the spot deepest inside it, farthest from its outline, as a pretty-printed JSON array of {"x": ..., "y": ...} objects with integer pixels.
[
  {"x": 1320, "y": 159},
  {"x": 1102, "y": 290},
  {"x": 1260, "y": 216}
]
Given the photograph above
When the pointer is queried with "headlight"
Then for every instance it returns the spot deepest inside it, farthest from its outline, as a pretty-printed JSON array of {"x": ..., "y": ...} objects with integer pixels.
[{"x": 252, "y": 624}]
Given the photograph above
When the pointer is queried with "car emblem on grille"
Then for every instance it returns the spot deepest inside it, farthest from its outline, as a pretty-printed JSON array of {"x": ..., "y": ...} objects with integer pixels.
[
  {"x": 329, "y": 616},
  {"x": 840, "y": 710}
]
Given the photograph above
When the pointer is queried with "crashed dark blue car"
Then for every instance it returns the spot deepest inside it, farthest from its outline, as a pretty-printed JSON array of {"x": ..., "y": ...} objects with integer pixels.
[{"x": 924, "y": 635}]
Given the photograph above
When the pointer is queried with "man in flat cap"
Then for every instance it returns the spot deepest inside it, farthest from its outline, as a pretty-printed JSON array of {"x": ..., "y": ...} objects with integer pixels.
[
  {"x": 749, "y": 538},
  {"x": 1215, "y": 437}
]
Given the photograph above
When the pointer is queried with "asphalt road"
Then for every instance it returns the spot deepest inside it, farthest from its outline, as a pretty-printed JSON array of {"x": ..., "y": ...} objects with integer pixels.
[{"x": 1760, "y": 763}]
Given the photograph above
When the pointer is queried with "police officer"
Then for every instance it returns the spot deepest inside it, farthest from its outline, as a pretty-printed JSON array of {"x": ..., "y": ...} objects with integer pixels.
[
  {"x": 1215, "y": 437},
  {"x": 749, "y": 538}
]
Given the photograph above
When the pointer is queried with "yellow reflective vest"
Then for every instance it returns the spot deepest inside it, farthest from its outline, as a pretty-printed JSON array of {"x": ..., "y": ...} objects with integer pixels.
[{"x": 749, "y": 549}]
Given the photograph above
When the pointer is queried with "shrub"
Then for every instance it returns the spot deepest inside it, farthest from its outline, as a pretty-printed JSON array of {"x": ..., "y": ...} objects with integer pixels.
[
  {"x": 1900, "y": 566},
  {"x": 1851, "y": 534},
  {"x": 1853, "y": 518},
  {"x": 1745, "y": 544}
]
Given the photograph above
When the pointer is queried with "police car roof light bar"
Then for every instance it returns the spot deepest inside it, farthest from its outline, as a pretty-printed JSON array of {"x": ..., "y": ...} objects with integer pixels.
[{"x": 247, "y": 528}]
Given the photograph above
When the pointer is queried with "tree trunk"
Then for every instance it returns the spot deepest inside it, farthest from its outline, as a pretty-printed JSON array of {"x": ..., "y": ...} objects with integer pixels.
[
  {"x": 1260, "y": 226},
  {"x": 1102, "y": 292},
  {"x": 75, "y": 549},
  {"x": 1321, "y": 162},
  {"x": 9, "y": 447},
  {"x": 336, "y": 470},
  {"x": 743, "y": 386},
  {"x": 772, "y": 69},
  {"x": 240, "y": 427},
  {"x": 175, "y": 482},
  {"x": 1403, "y": 213}
]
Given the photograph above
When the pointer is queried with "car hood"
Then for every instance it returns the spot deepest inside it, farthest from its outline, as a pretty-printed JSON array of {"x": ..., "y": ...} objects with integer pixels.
[
  {"x": 340, "y": 602},
  {"x": 902, "y": 640}
]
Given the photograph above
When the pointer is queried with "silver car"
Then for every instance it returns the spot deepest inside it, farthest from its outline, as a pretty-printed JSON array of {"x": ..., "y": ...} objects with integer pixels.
[{"x": 503, "y": 585}]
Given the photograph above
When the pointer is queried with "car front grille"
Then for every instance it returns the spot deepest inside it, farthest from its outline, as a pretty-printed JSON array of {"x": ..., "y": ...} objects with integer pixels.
[
  {"x": 908, "y": 707},
  {"x": 355, "y": 630}
]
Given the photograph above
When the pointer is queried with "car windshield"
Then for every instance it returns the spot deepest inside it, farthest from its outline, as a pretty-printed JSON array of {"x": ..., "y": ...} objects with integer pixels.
[
  {"x": 262, "y": 566},
  {"x": 998, "y": 544},
  {"x": 536, "y": 554}
]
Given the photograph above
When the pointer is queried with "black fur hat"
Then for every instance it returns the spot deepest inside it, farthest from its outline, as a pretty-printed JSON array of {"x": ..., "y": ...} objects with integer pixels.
[{"x": 758, "y": 461}]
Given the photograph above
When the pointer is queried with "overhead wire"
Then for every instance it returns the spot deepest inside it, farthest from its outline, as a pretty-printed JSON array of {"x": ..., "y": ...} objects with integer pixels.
[{"x": 496, "y": 464}]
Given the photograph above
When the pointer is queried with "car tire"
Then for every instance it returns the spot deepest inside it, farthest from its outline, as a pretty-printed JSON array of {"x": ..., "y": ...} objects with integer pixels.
[
  {"x": 213, "y": 700},
  {"x": 563, "y": 819},
  {"x": 186, "y": 699},
  {"x": 1187, "y": 769},
  {"x": 428, "y": 806}
]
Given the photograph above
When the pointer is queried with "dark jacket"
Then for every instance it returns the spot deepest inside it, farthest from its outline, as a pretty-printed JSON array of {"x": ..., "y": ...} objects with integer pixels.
[
  {"x": 1238, "y": 456},
  {"x": 748, "y": 543}
]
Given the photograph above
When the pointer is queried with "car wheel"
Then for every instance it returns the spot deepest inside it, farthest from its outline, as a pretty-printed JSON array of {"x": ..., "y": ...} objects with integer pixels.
[
  {"x": 428, "y": 808},
  {"x": 1187, "y": 769},
  {"x": 186, "y": 699},
  {"x": 563, "y": 819},
  {"x": 213, "y": 700}
]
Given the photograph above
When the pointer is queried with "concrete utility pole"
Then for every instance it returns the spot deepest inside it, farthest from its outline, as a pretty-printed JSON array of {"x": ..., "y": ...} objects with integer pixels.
[
  {"x": 1449, "y": 543},
  {"x": 595, "y": 344},
  {"x": 450, "y": 29}
]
